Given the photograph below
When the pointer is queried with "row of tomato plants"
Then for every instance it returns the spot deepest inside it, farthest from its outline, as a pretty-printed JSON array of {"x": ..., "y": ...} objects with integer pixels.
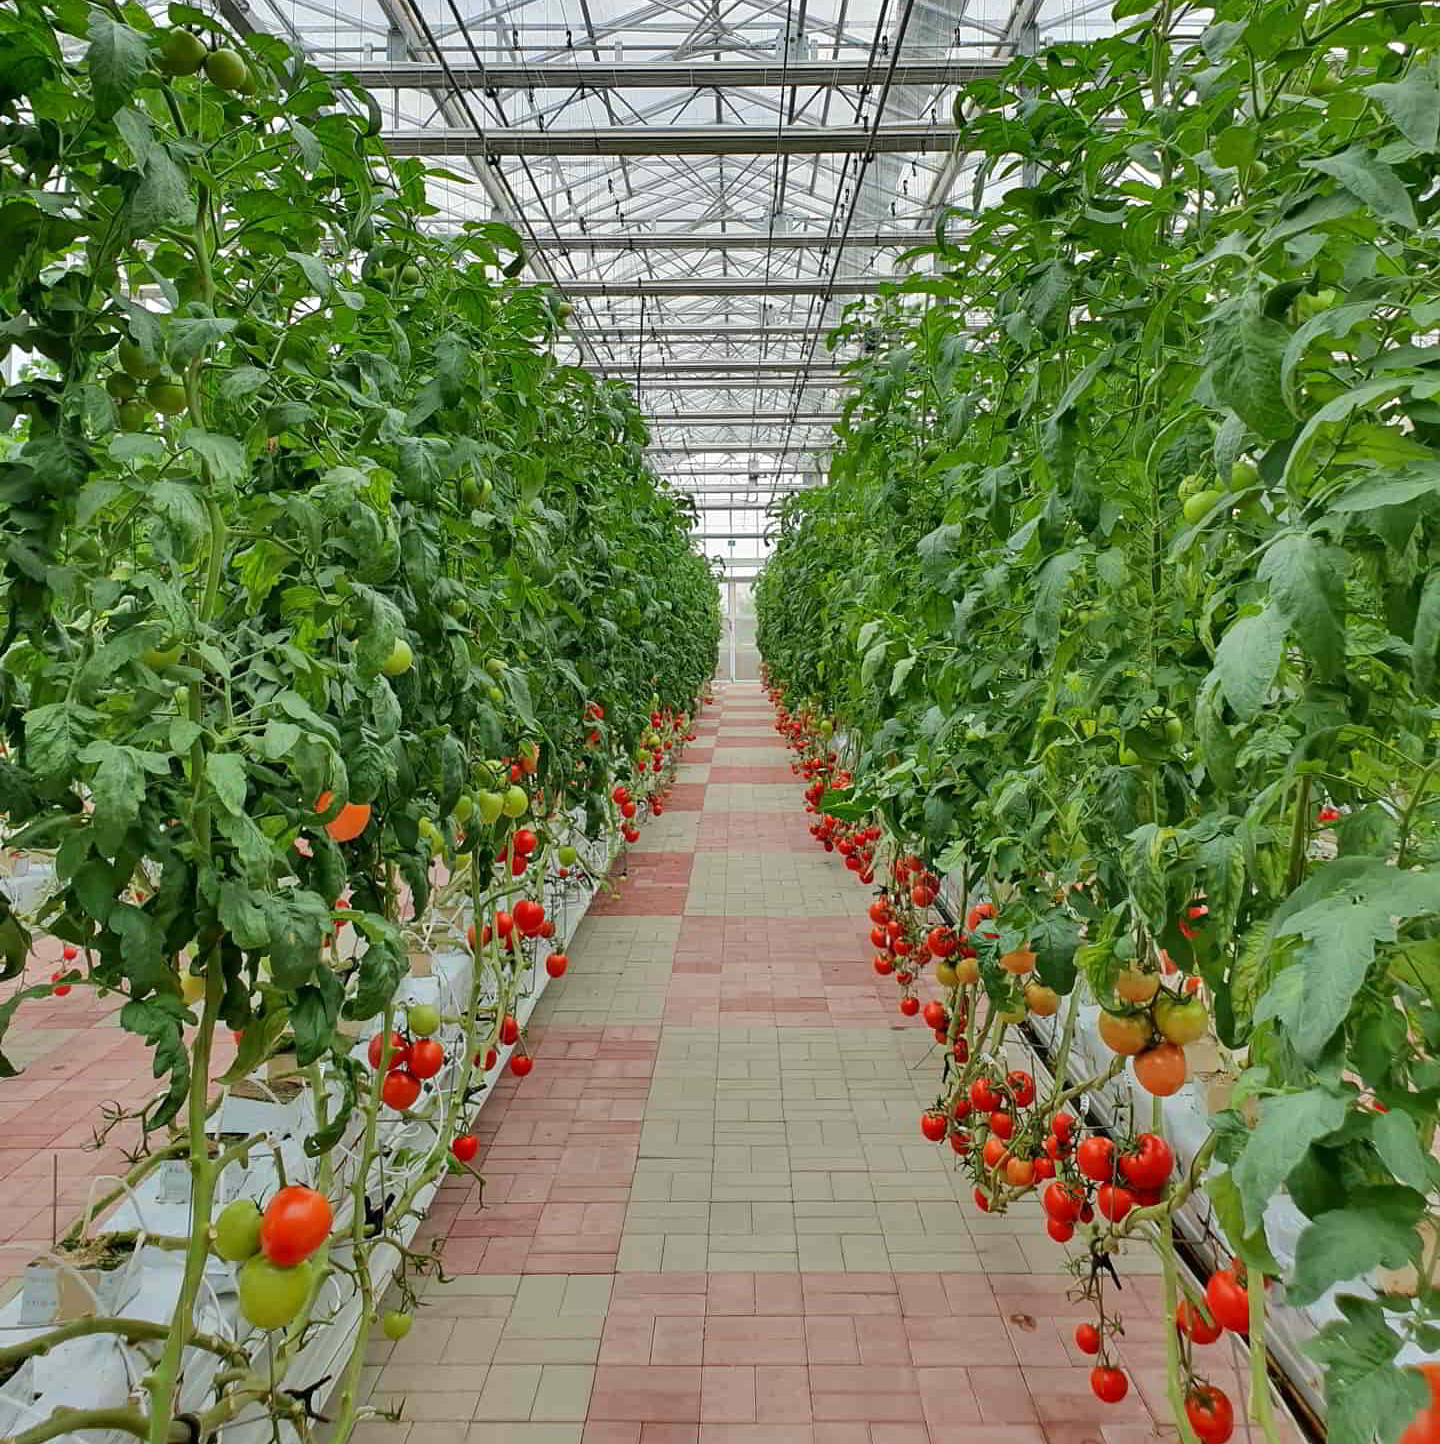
[
  {"x": 333, "y": 606},
  {"x": 1124, "y": 593}
]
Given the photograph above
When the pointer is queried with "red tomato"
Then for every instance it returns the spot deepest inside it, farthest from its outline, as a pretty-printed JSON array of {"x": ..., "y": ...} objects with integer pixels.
[
  {"x": 1063, "y": 1202},
  {"x": 1210, "y": 1413},
  {"x": 296, "y": 1222},
  {"x": 509, "y": 1031},
  {"x": 556, "y": 964},
  {"x": 525, "y": 842},
  {"x": 879, "y": 911},
  {"x": 1425, "y": 1427},
  {"x": 909, "y": 1006},
  {"x": 1022, "y": 1087},
  {"x": 1060, "y": 1232},
  {"x": 1192, "y": 1319},
  {"x": 983, "y": 1096},
  {"x": 1228, "y": 1301},
  {"x": 933, "y": 1125},
  {"x": 1150, "y": 1164},
  {"x": 1062, "y": 1126},
  {"x": 1114, "y": 1201},
  {"x": 960, "y": 1142},
  {"x": 465, "y": 1147},
  {"x": 427, "y": 1058},
  {"x": 400, "y": 1090},
  {"x": 1087, "y": 1338},
  {"x": 529, "y": 914},
  {"x": 1044, "y": 1167},
  {"x": 394, "y": 1055},
  {"x": 1095, "y": 1158},
  {"x": 982, "y": 1202},
  {"x": 521, "y": 1064},
  {"x": 1110, "y": 1386},
  {"x": 936, "y": 1016}
]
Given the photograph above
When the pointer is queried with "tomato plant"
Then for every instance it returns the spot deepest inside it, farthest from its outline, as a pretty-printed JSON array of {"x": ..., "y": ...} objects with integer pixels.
[
  {"x": 318, "y": 574},
  {"x": 1124, "y": 597}
]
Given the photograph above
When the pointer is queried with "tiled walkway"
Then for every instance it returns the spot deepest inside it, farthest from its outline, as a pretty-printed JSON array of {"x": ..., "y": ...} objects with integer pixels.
[{"x": 709, "y": 1217}]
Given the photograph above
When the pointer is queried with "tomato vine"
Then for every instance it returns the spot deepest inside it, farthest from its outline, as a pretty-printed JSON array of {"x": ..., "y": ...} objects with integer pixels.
[{"x": 1124, "y": 598}]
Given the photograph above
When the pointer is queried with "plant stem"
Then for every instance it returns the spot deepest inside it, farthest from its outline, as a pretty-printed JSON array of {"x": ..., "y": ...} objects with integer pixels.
[
  {"x": 1260, "y": 1409},
  {"x": 164, "y": 1378}
]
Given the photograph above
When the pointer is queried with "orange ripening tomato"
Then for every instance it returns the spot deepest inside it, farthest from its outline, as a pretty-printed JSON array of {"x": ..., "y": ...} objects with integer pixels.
[
  {"x": 1161, "y": 1070},
  {"x": 349, "y": 822},
  {"x": 296, "y": 1222}
]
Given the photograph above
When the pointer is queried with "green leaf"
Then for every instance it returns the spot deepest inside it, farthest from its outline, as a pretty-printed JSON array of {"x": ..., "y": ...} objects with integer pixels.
[
  {"x": 903, "y": 668},
  {"x": 1247, "y": 659},
  {"x": 180, "y": 505},
  {"x": 315, "y": 271},
  {"x": 1367, "y": 177},
  {"x": 1253, "y": 1247},
  {"x": 224, "y": 455},
  {"x": 1363, "y": 901},
  {"x": 1347, "y": 1244},
  {"x": 1051, "y": 583},
  {"x": 1366, "y": 1395},
  {"x": 313, "y": 1016},
  {"x": 1307, "y": 587},
  {"x": 54, "y": 735},
  {"x": 117, "y": 57},
  {"x": 225, "y": 771},
  {"x": 243, "y": 915},
  {"x": 1425, "y": 645},
  {"x": 117, "y": 788},
  {"x": 163, "y": 196},
  {"x": 1288, "y": 1125},
  {"x": 1245, "y": 356},
  {"x": 1397, "y": 1141},
  {"x": 1413, "y": 103}
]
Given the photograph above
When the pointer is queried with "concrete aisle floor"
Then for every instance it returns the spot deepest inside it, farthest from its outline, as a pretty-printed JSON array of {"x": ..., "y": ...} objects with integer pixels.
[{"x": 709, "y": 1217}]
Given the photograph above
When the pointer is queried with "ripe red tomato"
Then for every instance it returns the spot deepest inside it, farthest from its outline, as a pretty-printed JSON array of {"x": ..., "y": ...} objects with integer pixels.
[
  {"x": 1095, "y": 1158},
  {"x": 556, "y": 964},
  {"x": 994, "y": 1153},
  {"x": 1019, "y": 1172},
  {"x": 1022, "y": 1087},
  {"x": 982, "y": 1201},
  {"x": 936, "y": 1016},
  {"x": 1110, "y": 1386},
  {"x": 1210, "y": 1413},
  {"x": 509, "y": 1031},
  {"x": 879, "y": 912},
  {"x": 525, "y": 842},
  {"x": 400, "y": 1090},
  {"x": 1192, "y": 1319},
  {"x": 933, "y": 1126},
  {"x": 394, "y": 1055},
  {"x": 1114, "y": 1201},
  {"x": 884, "y": 965},
  {"x": 960, "y": 1142},
  {"x": 1060, "y": 1232},
  {"x": 1002, "y": 1125},
  {"x": 1150, "y": 1164},
  {"x": 1063, "y": 1202},
  {"x": 465, "y": 1147},
  {"x": 1044, "y": 1167},
  {"x": 909, "y": 1006},
  {"x": 296, "y": 1222},
  {"x": 427, "y": 1058},
  {"x": 529, "y": 914},
  {"x": 1425, "y": 1427},
  {"x": 63, "y": 987},
  {"x": 521, "y": 1064},
  {"x": 983, "y": 1096},
  {"x": 1228, "y": 1301},
  {"x": 879, "y": 937},
  {"x": 1087, "y": 1338}
]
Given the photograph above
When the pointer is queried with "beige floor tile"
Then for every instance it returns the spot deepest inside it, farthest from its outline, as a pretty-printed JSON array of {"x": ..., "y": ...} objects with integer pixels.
[{"x": 509, "y": 1392}]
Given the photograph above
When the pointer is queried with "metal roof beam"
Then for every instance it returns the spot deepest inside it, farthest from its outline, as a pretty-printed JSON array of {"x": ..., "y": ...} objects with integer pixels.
[
  {"x": 677, "y": 140},
  {"x": 749, "y": 286},
  {"x": 741, "y": 418},
  {"x": 741, "y": 448},
  {"x": 729, "y": 241},
  {"x": 588, "y": 75}
]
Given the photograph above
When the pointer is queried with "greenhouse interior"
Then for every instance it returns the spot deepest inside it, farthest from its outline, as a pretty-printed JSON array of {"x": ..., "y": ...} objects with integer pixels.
[{"x": 720, "y": 723}]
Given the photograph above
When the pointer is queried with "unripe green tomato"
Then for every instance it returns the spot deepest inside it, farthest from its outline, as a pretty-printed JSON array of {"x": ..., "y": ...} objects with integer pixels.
[
  {"x": 515, "y": 803},
  {"x": 133, "y": 415},
  {"x": 1129, "y": 757},
  {"x": 166, "y": 396},
  {"x": 181, "y": 53},
  {"x": 410, "y": 275},
  {"x": 566, "y": 854},
  {"x": 158, "y": 657},
  {"x": 423, "y": 1019},
  {"x": 489, "y": 805},
  {"x": 401, "y": 659},
  {"x": 132, "y": 359},
  {"x": 121, "y": 386},
  {"x": 227, "y": 69},
  {"x": 396, "y": 1324},
  {"x": 495, "y": 667},
  {"x": 271, "y": 1296},
  {"x": 464, "y": 808},
  {"x": 237, "y": 1230},
  {"x": 495, "y": 694},
  {"x": 1199, "y": 506},
  {"x": 1243, "y": 475}
]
